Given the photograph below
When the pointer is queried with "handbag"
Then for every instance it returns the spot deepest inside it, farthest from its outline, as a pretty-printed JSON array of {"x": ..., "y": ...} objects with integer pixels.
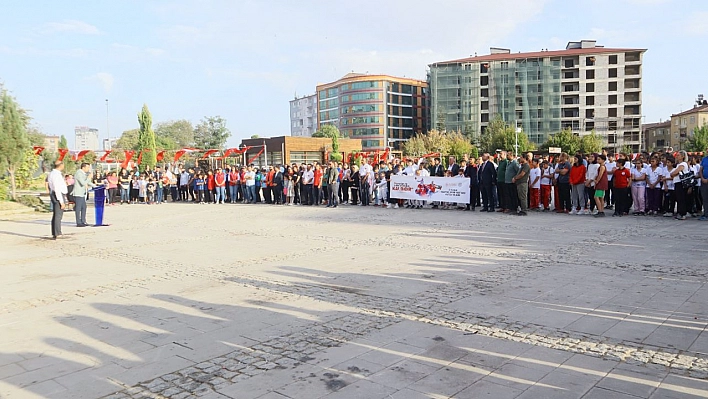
[{"x": 687, "y": 179}]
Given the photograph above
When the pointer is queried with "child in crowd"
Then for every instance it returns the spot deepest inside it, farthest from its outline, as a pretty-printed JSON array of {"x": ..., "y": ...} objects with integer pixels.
[
  {"x": 382, "y": 185},
  {"x": 669, "y": 194},
  {"x": 639, "y": 186},
  {"x": 150, "y": 191},
  {"x": 200, "y": 184},
  {"x": 142, "y": 189},
  {"x": 288, "y": 190},
  {"x": 535, "y": 186},
  {"x": 546, "y": 184}
]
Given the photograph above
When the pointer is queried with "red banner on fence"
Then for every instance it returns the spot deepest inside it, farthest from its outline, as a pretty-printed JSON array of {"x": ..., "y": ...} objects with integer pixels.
[
  {"x": 253, "y": 158},
  {"x": 62, "y": 153}
]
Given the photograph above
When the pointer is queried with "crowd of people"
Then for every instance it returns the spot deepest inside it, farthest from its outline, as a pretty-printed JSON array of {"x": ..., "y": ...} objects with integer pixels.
[{"x": 658, "y": 184}]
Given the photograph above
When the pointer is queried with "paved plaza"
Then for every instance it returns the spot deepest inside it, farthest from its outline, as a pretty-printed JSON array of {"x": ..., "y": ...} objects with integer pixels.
[{"x": 234, "y": 301}]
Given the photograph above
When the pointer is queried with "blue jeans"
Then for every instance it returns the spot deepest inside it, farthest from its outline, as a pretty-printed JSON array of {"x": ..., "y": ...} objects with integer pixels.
[
  {"x": 250, "y": 194},
  {"x": 220, "y": 194},
  {"x": 232, "y": 193},
  {"x": 124, "y": 195},
  {"x": 160, "y": 193}
]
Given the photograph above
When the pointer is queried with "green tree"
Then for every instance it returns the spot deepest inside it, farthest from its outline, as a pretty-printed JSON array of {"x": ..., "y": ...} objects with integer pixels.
[
  {"x": 255, "y": 136},
  {"x": 14, "y": 142},
  {"x": 174, "y": 134},
  {"x": 591, "y": 143},
  {"x": 128, "y": 140},
  {"x": 415, "y": 146},
  {"x": 502, "y": 136},
  {"x": 146, "y": 138},
  {"x": 565, "y": 140},
  {"x": 327, "y": 131},
  {"x": 211, "y": 133},
  {"x": 459, "y": 145},
  {"x": 333, "y": 133},
  {"x": 62, "y": 143},
  {"x": 699, "y": 140}
]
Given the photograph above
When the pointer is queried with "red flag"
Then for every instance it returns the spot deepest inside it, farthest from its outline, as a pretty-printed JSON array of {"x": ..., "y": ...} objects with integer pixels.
[
  {"x": 208, "y": 152},
  {"x": 160, "y": 156},
  {"x": 140, "y": 157},
  {"x": 128, "y": 157},
  {"x": 255, "y": 156},
  {"x": 81, "y": 154},
  {"x": 37, "y": 150},
  {"x": 62, "y": 153},
  {"x": 104, "y": 157}
]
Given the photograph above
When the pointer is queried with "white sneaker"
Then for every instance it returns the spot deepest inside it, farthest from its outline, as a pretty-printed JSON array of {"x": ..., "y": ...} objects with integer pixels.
[
  {"x": 595, "y": 212},
  {"x": 585, "y": 212},
  {"x": 573, "y": 212},
  {"x": 395, "y": 206}
]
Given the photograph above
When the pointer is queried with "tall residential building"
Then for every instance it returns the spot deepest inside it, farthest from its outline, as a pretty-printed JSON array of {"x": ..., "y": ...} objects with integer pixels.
[
  {"x": 583, "y": 88},
  {"x": 380, "y": 110},
  {"x": 303, "y": 116},
  {"x": 51, "y": 143},
  {"x": 86, "y": 138},
  {"x": 684, "y": 123}
]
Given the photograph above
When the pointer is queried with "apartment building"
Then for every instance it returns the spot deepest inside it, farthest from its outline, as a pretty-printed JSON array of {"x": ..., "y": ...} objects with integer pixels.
[
  {"x": 684, "y": 123},
  {"x": 85, "y": 138},
  {"x": 51, "y": 144},
  {"x": 583, "y": 88},
  {"x": 657, "y": 136},
  {"x": 381, "y": 110},
  {"x": 303, "y": 116}
]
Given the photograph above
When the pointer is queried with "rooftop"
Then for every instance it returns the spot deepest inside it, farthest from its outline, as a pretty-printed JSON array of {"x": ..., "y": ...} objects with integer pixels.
[
  {"x": 697, "y": 108},
  {"x": 498, "y": 54},
  {"x": 656, "y": 125}
]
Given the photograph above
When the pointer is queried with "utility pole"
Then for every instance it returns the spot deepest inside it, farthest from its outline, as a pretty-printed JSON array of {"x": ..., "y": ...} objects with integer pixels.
[{"x": 107, "y": 146}]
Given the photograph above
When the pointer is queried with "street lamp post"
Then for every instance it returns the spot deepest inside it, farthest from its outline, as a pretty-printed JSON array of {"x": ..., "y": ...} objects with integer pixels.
[{"x": 108, "y": 133}]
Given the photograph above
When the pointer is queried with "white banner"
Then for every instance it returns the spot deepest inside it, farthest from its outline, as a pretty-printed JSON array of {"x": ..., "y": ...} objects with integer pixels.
[{"x": 429, "y": 188}]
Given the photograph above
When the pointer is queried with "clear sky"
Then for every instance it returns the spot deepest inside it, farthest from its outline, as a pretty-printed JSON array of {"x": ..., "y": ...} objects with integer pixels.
[{"x": 245, "y": 59}]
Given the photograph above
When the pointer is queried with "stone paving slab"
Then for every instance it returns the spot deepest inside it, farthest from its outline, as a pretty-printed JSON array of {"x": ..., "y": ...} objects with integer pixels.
[{"x": 350, "y": 303}]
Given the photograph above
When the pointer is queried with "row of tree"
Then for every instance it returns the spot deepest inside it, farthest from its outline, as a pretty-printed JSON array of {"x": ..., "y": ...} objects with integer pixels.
[
  {"x": 17, "y": 137},
  {"x": 211, "y": 132}
]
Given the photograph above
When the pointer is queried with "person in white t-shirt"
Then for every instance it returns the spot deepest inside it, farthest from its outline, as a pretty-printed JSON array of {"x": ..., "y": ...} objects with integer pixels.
[
  {"x": 639, "y": 186},
  {"x": 610, "y": 166},
  {"x": 535, "y": 186},
  {"x": 669, "y": 192},
  {"x": 546, "y": 182},
  {"x": 654, "y": 173},
  {"x": 679, "y": 189},
  {"x": 590, "y": 177}
]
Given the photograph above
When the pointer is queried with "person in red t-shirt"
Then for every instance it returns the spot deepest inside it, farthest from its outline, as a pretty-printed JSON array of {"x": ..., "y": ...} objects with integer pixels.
[
  {"x": 210, "y": 187},
  {"x": 317, "y": 185},
  {"x": 233, "y": 184},
  {"x": 577, "y": 186},
  {"x": 620, "y": 192},
  {"x": 220, "y": 186}
]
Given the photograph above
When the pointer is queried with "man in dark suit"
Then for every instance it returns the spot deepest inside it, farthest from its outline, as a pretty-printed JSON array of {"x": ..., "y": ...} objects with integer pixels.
[
  {"x": 453, "y": 167},
  {"x": 487, "y": 178},
  {"x": 436, "y": 170},
  {"x": 471, "y": 171}
]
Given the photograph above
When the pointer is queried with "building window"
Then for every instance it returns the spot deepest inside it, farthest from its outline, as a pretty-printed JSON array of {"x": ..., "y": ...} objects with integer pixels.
[
  {"x": 590, "y": 100},
  {"x": 484, "y": 80},
  {"x": 590, "y": 74},
  {"x": 612, "y": 86},
  {"x": 693, "y": 120},
  {"x": 612, "y": 112},
  {"x": 589, "y": 61},
  {"x": 612, "y": 99},
  {"x": 613, "y": 60},
  {"x": 613, "y": 72},
  {"x": 589, "y": 113},
  {"x": 590, "y": 87}
]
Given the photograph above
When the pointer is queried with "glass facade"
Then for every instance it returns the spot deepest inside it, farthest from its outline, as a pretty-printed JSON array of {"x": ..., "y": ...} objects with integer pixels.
[{"x": 374, "y": 109}]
